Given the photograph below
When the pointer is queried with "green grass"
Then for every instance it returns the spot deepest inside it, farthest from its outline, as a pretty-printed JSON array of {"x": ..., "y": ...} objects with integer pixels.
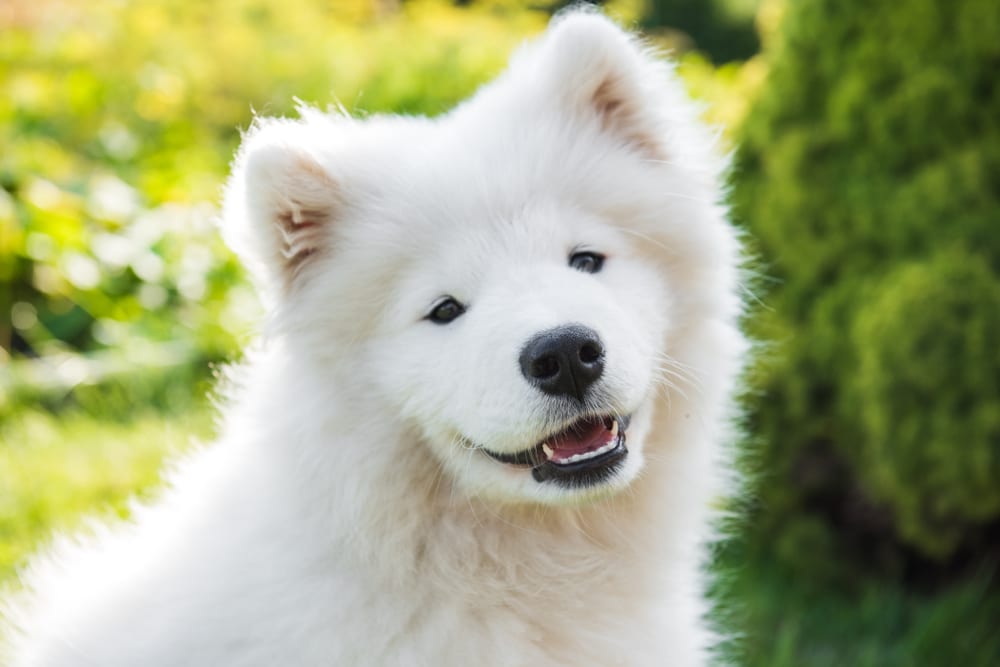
[{"x": 57, "y": 469}]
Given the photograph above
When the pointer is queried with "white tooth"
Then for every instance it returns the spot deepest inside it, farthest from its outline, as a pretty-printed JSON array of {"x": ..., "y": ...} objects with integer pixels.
[
  {"x": 583, "y": 456},
  {"x": 548, "y": 450},
  {"x": 614, "y": 429}
]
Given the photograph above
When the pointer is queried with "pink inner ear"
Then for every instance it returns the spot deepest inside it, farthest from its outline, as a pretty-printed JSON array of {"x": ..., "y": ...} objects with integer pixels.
[
  {"x": 621, "y": 115},
  {"x": 306, "y": 211},
  {"x": 301, "y": 234}
]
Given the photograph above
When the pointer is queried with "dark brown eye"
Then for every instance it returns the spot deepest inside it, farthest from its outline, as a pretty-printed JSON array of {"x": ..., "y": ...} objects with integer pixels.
[
  {"x": 446, "y": 310},
  {"x": 588, "y": 262}
]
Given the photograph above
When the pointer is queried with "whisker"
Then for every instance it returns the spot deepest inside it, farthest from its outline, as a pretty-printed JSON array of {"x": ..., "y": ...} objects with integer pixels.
[
  {"x": 687, "y": 167},
  {"x": 646, "y": 237}
]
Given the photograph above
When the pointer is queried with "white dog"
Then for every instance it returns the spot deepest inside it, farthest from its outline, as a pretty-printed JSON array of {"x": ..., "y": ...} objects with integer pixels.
[{"x": 487, "y": 422}]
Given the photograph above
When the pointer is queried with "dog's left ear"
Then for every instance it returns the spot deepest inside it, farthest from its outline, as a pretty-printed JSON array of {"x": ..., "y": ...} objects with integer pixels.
[
  {"x": 598, "y": 69},
  {"x": 281, "y": 203}
]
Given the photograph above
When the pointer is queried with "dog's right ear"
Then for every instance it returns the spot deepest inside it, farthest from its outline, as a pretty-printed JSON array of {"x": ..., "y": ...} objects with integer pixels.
[{"x": 280, "y": 204}]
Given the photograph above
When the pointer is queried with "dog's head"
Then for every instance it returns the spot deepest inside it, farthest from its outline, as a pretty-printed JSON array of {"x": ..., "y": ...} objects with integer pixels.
[{"x": 507, "y": 279}]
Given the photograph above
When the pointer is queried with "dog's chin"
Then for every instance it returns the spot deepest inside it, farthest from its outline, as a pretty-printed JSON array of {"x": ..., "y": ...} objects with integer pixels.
[{"x": 588, "y": 458}]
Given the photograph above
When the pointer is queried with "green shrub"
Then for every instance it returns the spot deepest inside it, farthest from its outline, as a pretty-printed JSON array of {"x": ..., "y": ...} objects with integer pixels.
[
  {"x": 869, "y": 174},
  {"x": 927, "y": 393},
  {"x": 723, "y": 29}
]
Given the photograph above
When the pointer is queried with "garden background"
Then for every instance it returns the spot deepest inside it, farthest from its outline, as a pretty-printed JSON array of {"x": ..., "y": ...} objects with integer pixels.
[{"x": 866, "y": 172}]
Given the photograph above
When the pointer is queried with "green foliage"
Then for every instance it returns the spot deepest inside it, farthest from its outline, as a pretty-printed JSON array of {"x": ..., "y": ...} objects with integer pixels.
[
  {"x": 786, "y": 620},
  {"x": 723, "y": 29},
  {"x": 118, "y": 120},
  {"x": 870, "y": 176},
  {"x": 728, "y": 91},
  {"x": 932, "y": 422}
]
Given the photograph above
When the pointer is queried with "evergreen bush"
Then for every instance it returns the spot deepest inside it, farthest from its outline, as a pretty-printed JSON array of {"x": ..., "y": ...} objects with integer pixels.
[
  {"x": 927, "y": 393},
  {"x": 869, "y": 175}
]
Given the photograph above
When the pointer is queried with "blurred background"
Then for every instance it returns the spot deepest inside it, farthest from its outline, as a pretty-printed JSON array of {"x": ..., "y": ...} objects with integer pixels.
[{"x": 866, "y": 172}]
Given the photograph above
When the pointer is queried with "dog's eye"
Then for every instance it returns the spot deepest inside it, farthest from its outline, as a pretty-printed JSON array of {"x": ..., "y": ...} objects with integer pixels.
[
  {"x": 446, "y": 310},
  {"x": 588, "y": 262}
]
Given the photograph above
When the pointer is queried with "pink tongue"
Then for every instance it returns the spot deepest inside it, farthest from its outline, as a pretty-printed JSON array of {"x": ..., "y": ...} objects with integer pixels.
[{"x": 585, "y": 436}]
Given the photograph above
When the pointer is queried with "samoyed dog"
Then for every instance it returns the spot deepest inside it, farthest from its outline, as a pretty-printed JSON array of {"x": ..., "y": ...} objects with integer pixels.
[{"x": 489, "y": 416}]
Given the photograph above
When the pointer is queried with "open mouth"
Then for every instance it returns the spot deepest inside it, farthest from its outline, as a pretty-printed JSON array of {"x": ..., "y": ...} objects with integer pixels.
[{"x": 588, "y": 452}]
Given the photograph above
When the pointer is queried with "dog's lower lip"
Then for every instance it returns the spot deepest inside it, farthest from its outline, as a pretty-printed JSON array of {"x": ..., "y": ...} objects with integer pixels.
[
  {"x": 583, "y": 473},
  {"x": 540, "y": 458}
]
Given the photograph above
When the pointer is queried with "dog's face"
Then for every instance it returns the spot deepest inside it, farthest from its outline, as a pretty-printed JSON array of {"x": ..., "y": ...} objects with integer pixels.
[
  {"x": 524, "y": 347},
  {"x": 494, "y": 278}
]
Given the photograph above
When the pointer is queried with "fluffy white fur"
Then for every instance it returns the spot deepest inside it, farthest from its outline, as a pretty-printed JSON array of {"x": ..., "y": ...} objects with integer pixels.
[{"x": 346, "y": 515}]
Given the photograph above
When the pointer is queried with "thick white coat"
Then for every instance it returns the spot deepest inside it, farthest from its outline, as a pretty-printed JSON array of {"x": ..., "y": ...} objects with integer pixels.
[{"x": 345, "y": 516}]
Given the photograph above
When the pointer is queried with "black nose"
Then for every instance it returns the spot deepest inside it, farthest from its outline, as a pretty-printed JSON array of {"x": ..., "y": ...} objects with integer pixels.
[{"x": 563, "y": 361}]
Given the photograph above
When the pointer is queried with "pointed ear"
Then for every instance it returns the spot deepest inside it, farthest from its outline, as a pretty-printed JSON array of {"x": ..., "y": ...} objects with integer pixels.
[
  {"x": 281, "y": 202},
  {"x": 597, "y": 69}
]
